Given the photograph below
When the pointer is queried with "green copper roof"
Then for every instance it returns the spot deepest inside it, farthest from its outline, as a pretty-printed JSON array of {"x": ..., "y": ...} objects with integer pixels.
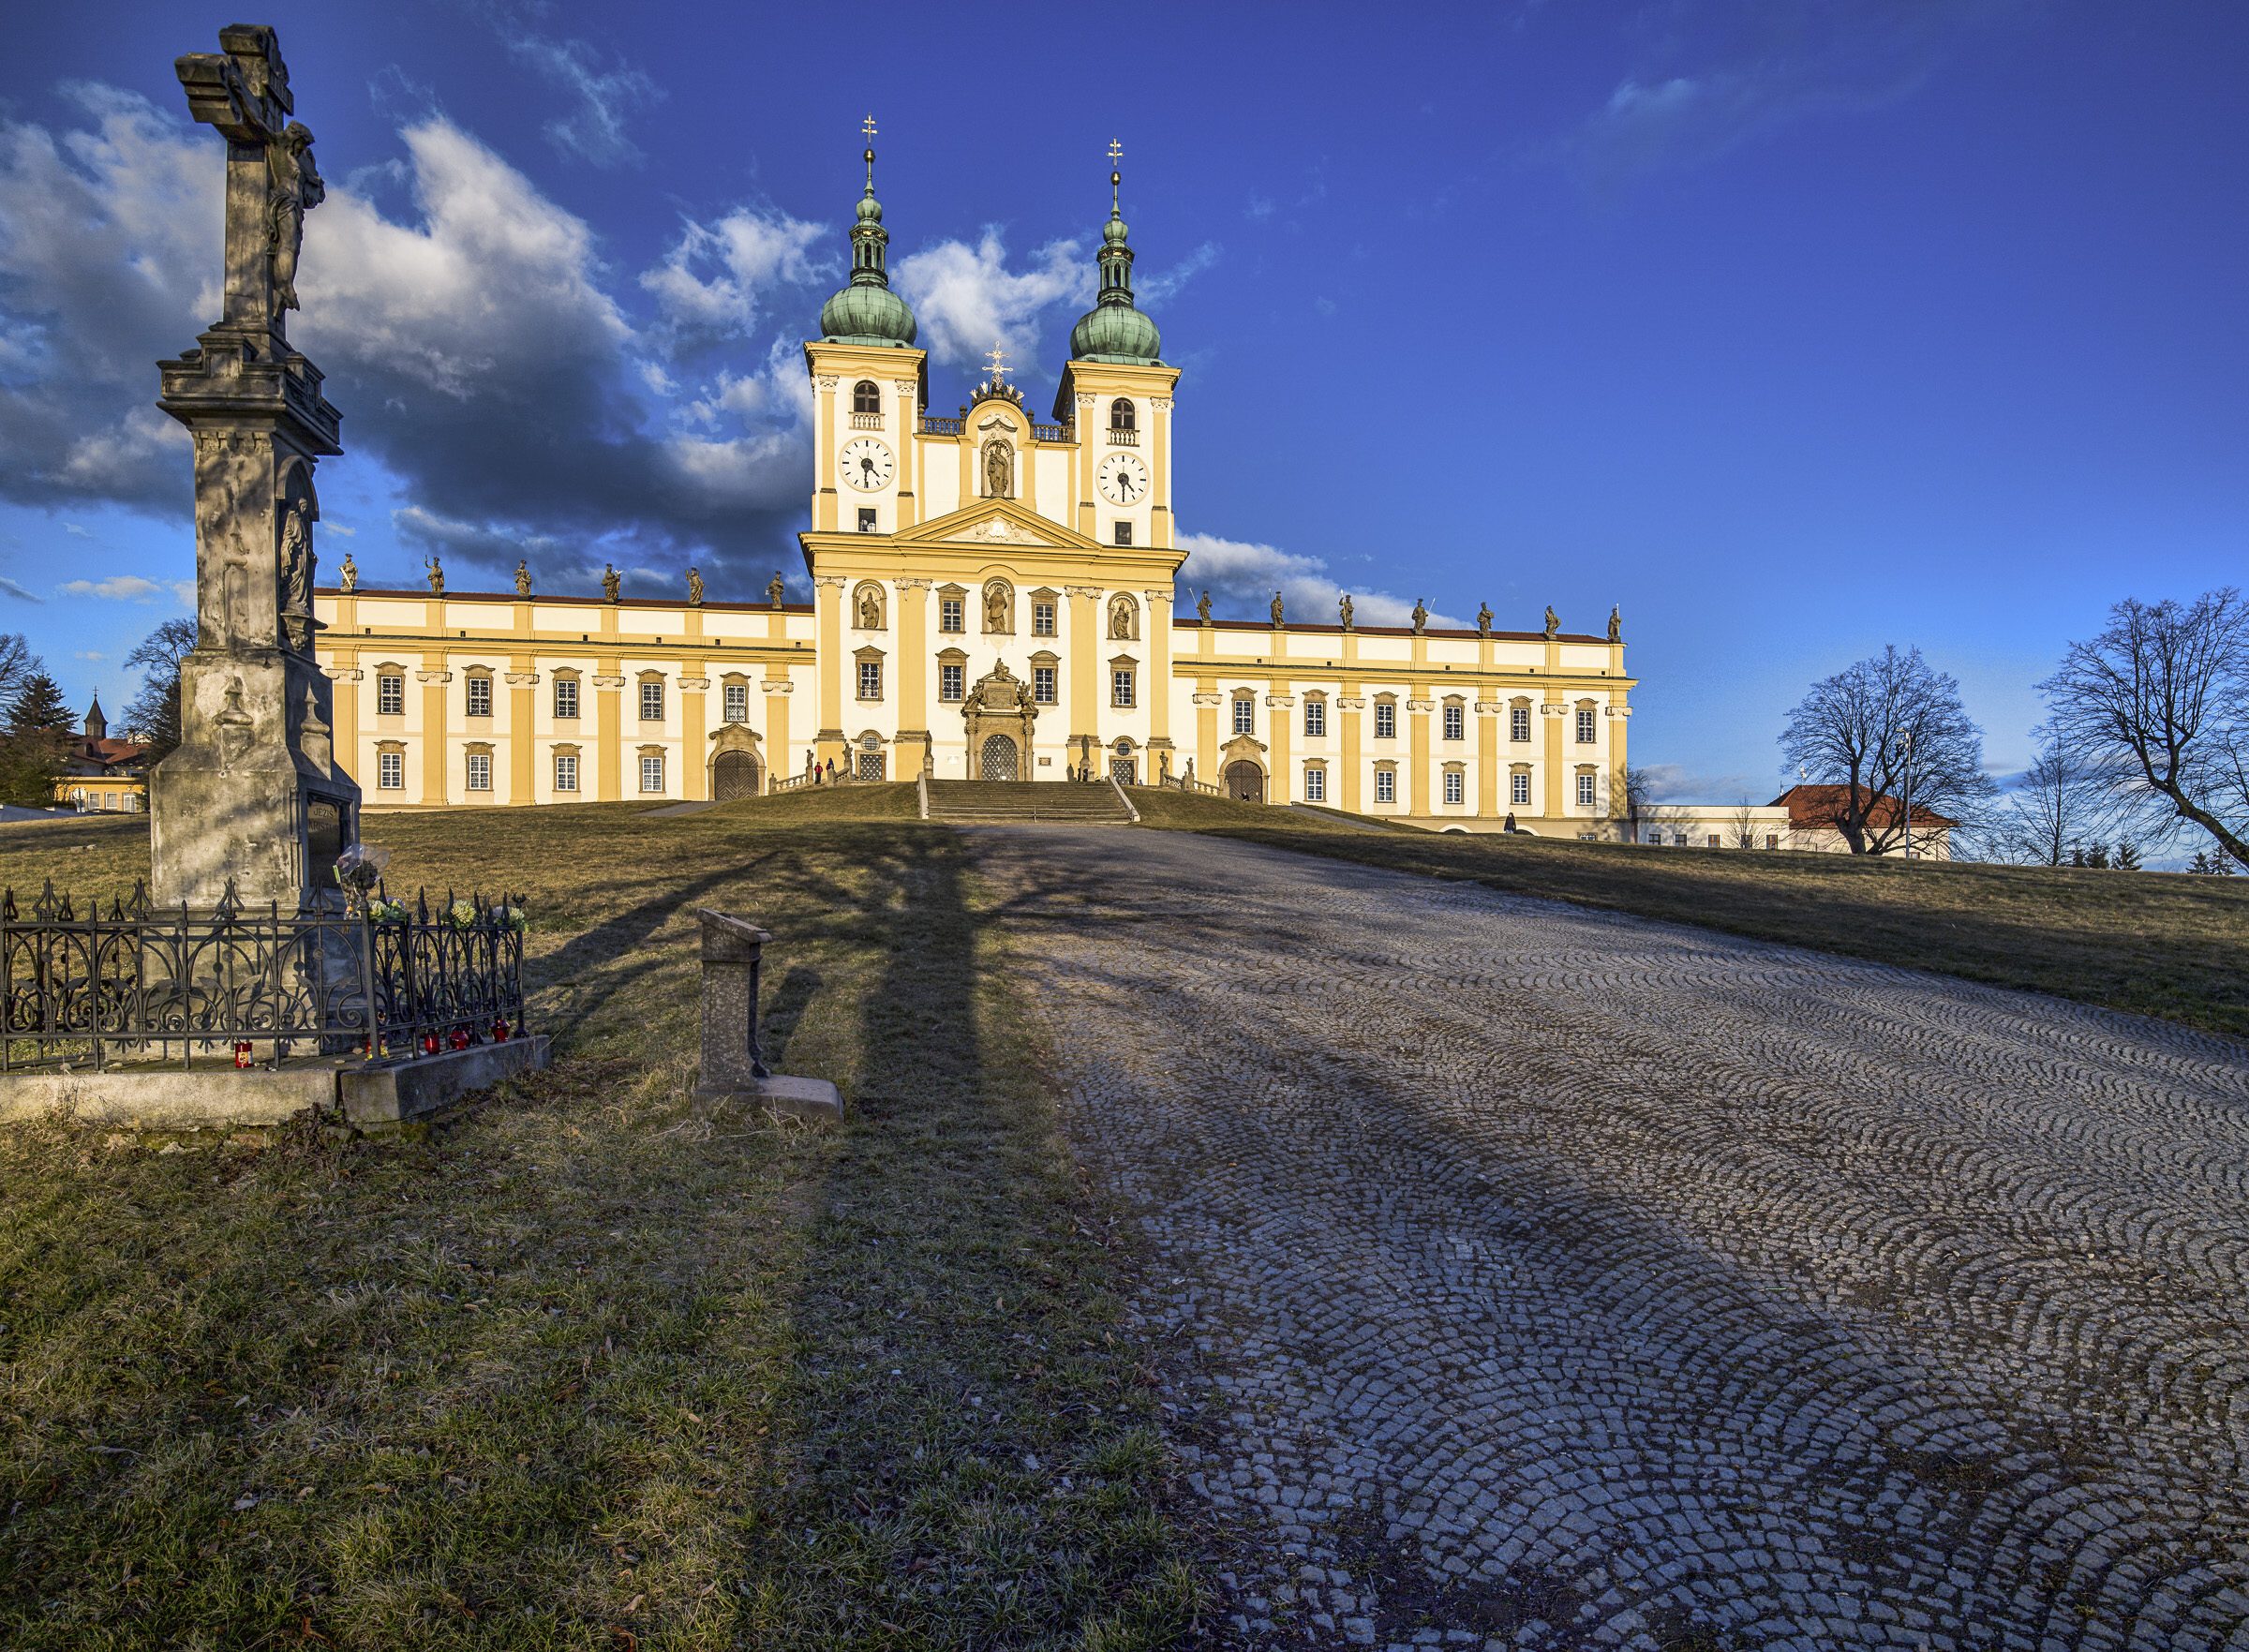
[
  {"x": 867, "y": 311},
  {"x": 1113, "y": 329}
]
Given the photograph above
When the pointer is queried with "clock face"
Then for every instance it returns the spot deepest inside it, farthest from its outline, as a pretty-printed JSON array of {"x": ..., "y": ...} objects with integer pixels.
[
  {"x": 1124, "y": 479},
  {"x": 866, "y": 463}
]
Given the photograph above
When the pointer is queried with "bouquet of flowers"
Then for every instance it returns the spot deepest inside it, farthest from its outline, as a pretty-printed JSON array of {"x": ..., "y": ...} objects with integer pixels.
[
  {"x": 462, "y": 914},
  {"x": 386, "y": 911},
  {"x": 358, "y": 870},
  {"x": 513, "y": 917}
]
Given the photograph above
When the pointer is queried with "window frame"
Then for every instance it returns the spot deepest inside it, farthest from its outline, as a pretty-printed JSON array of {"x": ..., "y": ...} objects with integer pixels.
[
  {"x": 952, "y": 682},
  {"x": 1588, "y": 793},
  {"x": 651, "y": 684},
  {"x": 1316, "y": 718},
  {"x": 390, "y": 771},
  {"x": 1588, "y": 726},
  {"x": 867, "y": 397},
  {"x": 1518, "y": 724},
  {"x": 1386, "y": 785},
  {"x": 468, "y": 778},
  {"x": 1042, "y": 617},
  {"x": 952, "y": 616},
  {"x": 1122, "y": 695},
  {"x": 1518, "y": 791},
  {"x": 1315, "y": 783},
  {"x": 574, "y": 696},
  {"x": 1245, "y": 715},
  {"x": 386, "y": 684},
  {"x": 1456, "y": 723},
  {"x": 728, "y": 693},
  {"x": 1124, "y": 534},
  {"x": 1045, "y": 684},
  {"x": 1386, "y": 720},
  {"x": 572, "y": 759},
  {"x": 1123, "y": 415},
  {"x": 646, "y": 758},
  {"x": 1456, "y": 788},
  {"x": 475, "y": 681},
  {"x": 870, "y": 672}
]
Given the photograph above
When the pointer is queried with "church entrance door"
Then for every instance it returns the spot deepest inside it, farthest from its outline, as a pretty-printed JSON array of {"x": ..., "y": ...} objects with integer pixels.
[
  {"x": 997, "y": 761},
  {"x": 733, "y": 774},
  {"x": 1245, "y": 782}
]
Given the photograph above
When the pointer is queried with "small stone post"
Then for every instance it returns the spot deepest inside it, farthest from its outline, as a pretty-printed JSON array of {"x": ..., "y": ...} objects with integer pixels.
[{"x": 733, "y": 1065}]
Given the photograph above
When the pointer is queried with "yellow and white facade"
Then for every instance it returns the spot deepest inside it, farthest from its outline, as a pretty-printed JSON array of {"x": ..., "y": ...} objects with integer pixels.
[{"x": 961, "y": 564}]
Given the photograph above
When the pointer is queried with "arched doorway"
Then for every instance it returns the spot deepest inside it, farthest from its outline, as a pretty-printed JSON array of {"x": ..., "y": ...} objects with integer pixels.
[
  {"x": 997, "y": 760},
  {"x": 1245, "y": 782},
  {"x": 735, "y": 774}
]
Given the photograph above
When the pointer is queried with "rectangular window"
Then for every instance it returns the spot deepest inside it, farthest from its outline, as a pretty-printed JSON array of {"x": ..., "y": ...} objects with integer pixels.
[
  {"x": 566, "y": 699},
  {"x": 866, "y": 518},
  {"x": 1315, "y": 785},
  {"x": 651, "y": 773},
  {"x": 480, "y": 771},
  {"x": 735, "y": 698},
  {"x": 1714, "y": 843},
  {"x": 390, "y": 771},
  {"x": 1042, "y": 619},
  {"x": 1587, "y": 728},
  {"x": 1042, "y": 685},
  {"x": 950, "y": 681},
  {"x": 390, "y": 696},
  {"x": 1772, "y": 839},
  {"x": 1656, "y": 837},
  {"x": 1244, "y": 713},
  {"x": 1518, "y": 790},
  {"x": 1455, "y": 786},
  {"x": 1456, "y": 723},
  {"x": 652, "y": 702},
  {"x": 1585, "y": 791},
  {"x": 1316, "y": 718},
  {"x": 480, "y": 696},
  {"x": 566, "y": 771},
  {"x": 1120, "y": 687},
  {"x": 1123, "y": 533},
  {"x": 951, "y": 616},
  {"x": 1386, "y": 785},
  {"x": 871, "y": 680},
  {"x": 1386, "y": 721},
  {"x": 1518, "y": 722}
]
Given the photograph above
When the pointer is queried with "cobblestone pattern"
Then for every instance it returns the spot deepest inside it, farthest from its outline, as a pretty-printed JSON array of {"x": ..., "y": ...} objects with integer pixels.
[{"x": 1558, "y": 1279}]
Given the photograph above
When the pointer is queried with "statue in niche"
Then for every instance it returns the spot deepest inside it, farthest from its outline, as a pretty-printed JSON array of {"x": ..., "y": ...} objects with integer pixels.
[
  {"x": 1554, "y": 621},
  {"x": 296, "y": 571},
  {"x": 1343, "y": 608},
  {"x": 523, "y": 578},
  {"x": 1483, "y": 619},
  {"x": 870, "y": 609},
  {"x": 1616, "y": 624},
  {"x": 773, "y": 592},
  {"x": 1202, "y": 607},
  {"x": 998, "y": 469},
  {"x": 610, "y": 581},
  {"x": 349, "y": 574},
  {"x": 999, "y": 608},
  {"x": 437, "y": 576},
  {"x": 1421, "y": 617},
  {"x": 293, "y": 188},
  {"x": 1119, "y": 620},
  {"x": 694, "y": 588},
  {"x": 1276, "y": 607}
]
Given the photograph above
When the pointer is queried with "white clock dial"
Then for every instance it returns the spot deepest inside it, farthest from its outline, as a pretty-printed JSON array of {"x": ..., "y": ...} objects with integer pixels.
[
  {"x": 1124, "y": 479},
  {"x": 867, "y": 464}
]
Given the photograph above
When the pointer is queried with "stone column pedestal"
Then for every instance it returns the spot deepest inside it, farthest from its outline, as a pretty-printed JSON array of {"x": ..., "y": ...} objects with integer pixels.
[{"x": 734, "y": 1067}]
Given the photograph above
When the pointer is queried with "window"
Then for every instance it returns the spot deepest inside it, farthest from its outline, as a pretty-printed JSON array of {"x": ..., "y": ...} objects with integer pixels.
[
  {"x": 1244, "y": 713},
  {"x": 1455, "y": 786},
  {"x": 1386, "y": 721},
  {"x": 651, "y": 772},
  {"x": 480, "y": 696},
  {"x": 1042, "y": 685},
  {"x": 866, "y": 518},
  {"x": 1587, "y": 726},
  {"x": 1714, "y": 843},
  {"x": 1518, "y": 722},
  {"x": 1678, "y": 839},
  {"x": 1042, "y": 619},
  {"x": 951, "y": 615},
  {"x": 871, "y": 680},
  {"x": 1518, "y": 790},
  {"x": 1585, "y": 791},
  {"x": 1316, "y": 717},
  {"x": 950, "y": 680},
  {"x": 566, "y": 771},
  {"x": 1123, "y": 533},
  {"x": 1386, "y": 785},
  {"x": 1656, "y": 837},
  {"x": 1120, "y": 687},
  {"x": 390, "y": 696},
  {"x": 566, "y": 699},
  {"x": 1315, "y": 785},
  {"x": 1121, "y": 415},
  {"x": 390, "y": 771},
  {"x": 480, "y": 771},
  {"x": 735, "y": 697},
  {"x": 651, "y": 701},
  {"x": 865, "y": 397},
  {"x": 1456, "y": 723}
]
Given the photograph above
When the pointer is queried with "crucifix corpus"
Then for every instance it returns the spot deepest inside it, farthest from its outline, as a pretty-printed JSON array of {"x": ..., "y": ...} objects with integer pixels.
[{"x": 255, "y": 792}]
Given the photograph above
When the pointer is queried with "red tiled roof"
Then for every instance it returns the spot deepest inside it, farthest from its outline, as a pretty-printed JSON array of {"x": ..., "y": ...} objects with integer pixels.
[
  {"x": 1811, "y": 807},
  {"x": 109, "y": 753}
]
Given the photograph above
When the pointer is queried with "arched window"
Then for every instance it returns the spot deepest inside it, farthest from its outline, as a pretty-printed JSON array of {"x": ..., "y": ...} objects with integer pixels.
[
  {"x": 865, "y": 397},
  {"x": 1120, "y": 416}
]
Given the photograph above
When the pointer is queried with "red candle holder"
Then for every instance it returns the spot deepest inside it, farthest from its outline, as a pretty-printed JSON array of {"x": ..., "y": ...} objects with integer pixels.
[
  {"x": 241, "y": 1054},
  {"x": 460, "y": 1038},
  {"x": 500, "y": 1031},
  {"x": 429, "y": 1044}
]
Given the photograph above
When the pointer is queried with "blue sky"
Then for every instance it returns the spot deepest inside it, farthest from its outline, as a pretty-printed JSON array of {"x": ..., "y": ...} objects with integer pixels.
[{"x": 1794, "y": 328}]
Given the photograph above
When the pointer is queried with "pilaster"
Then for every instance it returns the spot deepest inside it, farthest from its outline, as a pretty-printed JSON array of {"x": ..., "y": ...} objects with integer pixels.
[
  {"x": 1418, "y": 707},
  {"x": 1555, "y": 715},
  {"x": 779, "y": 758},
  {"x": 608, "y": 732},
  {"x": 1350, "y": 711},
  {"x": 1280, "y": 730},
  {"x": 695, "y": 728},
  {"x": 523, "y": 730},
  {"x": 435, "y": 680},
  {"x": 1487, "y": 755},
  {"x": 1085, "y": 671},
  {"x": 828, "y": 605},
  {"x": 1158, "y": 609},
  {"x": 1206, "y": 700}
]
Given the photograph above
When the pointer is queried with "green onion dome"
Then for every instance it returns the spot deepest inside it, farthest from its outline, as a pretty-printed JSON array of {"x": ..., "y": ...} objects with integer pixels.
[
  {"x": 867, "y": 311},
  {"x": 1113, "y": 329}
]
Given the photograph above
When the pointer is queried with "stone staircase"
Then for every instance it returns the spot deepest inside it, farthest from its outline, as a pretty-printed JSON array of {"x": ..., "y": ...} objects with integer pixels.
[{"x": 1020, "y": 802}]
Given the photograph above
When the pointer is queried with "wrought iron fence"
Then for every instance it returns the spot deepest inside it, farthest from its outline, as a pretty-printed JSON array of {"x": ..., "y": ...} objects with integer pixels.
[{"x": 135, "y": 982}]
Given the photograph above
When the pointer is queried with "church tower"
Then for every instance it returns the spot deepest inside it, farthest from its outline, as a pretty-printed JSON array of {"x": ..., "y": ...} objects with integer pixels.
[{"x": 1117, "y": 391}]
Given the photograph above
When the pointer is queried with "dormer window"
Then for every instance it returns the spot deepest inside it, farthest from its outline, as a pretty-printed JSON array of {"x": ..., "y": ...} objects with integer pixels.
[
  {"x": 865, "y": 397},
  {"x": 1121, "y": 415}
]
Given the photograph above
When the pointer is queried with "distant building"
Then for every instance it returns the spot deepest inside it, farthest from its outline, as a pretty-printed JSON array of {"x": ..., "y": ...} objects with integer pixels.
[
  {"x": 102, "y": 776},
  {"x": 1710, "y": 826},
  {"x": 1812, "y": 813}
]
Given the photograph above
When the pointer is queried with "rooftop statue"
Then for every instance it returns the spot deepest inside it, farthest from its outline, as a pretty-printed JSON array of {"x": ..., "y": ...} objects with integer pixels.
[
  {"x": 1616, "y": 624},
  {"x": 350, "y": 572},
  {"x": 773, "y": 591},
  {"x": 694, "y": 588},
  {"x": 1483, "y": 619},
  {"x": 1343, "y": 608},
  {"x": 523, "y": 578},
  {"x": 437, "y": 576},
  {"x": 610, "y": 581},
  {"x": 1554, "y": 621},
  {"x": 1202, "y": 607},
  {"x": 1421, "y": 617}
]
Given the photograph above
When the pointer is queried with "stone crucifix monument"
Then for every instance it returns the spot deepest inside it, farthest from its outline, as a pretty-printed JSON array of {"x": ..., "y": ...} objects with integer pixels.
[{"x": 254, "y": 792}]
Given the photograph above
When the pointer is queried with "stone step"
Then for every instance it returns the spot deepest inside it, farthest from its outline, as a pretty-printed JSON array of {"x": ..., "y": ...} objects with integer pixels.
[{"x": 1004, "y": 802}]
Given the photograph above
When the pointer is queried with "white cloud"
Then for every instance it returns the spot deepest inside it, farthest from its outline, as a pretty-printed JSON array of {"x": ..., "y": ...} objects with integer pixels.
[
  {"x": 78, "y": 529},
  {"x": 131, "y": 588},
  {"x": 717, "y": 277},
  {"x": 967, "y": 300},
  {"x": 594, "y": 130},
  {"x": 90, "y": 654},
  {"x": 1244, "y": 574},
  {"x": 1163, "y": 284}
]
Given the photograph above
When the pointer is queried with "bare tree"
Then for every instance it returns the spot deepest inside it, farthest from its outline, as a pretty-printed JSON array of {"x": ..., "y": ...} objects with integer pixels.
[
  {"x": 1636, "y": 789},
  {"x": 2164, "y": 693},
  {"x": 1890, "y": 727},
  {"x": 154, "y": 717},
  {"x": 17, "y": 663},
  {"x": 1743, "y": 822},
  {"x": 2061, "y": 803}
]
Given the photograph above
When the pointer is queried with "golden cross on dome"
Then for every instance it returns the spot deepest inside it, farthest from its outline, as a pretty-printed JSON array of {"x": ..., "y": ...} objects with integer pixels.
[
  {"x": 998, "y": 358},
  {"x": 866, "y": 125},
  {"x": 1116, "y": 150}
]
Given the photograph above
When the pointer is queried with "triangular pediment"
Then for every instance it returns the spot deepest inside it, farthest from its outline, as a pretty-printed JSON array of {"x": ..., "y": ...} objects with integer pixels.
[{"x": 998, "y": 522}]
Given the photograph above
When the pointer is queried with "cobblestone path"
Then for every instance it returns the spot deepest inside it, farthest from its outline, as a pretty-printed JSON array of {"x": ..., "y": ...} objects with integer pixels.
[{"x": 1555, "y": 1279}]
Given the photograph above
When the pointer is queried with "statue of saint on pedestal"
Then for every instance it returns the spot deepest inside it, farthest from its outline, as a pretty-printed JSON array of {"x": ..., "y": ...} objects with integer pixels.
[
  {"x": 694, "y": 588},
  {"x": 437, "y": 576},
  {"x": 349, "y": 574},
  {"x": 1421, "y": 617},
  {"x": 1554, "y": 621},
  {"x": 1483, "y": 619},
  {"x": 610, "y": 581},
  {"x": 1343, "y": 608},
  {"x": 775, "y": 591},
  {"x": 523, "y": 578}
]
